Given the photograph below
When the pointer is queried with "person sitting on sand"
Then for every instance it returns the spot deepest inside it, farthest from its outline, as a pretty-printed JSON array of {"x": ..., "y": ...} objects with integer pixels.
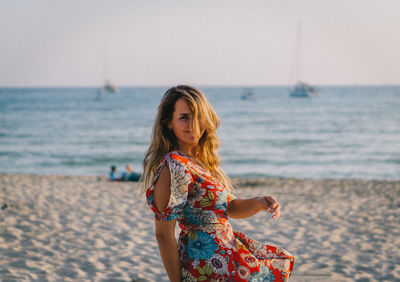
[
  {"x": 113, "y": 176},
  {"x": 184, "y": 183},
  {"x": 113, "y": 172},
  {"x": 131, "y": 175}
]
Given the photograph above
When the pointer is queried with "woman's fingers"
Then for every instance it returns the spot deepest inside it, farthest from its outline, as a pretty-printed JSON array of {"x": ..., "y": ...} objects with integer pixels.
[
  {"x": 274, "y": 207},
  {"x": 270, "y": 205},
  {"x": 276, "y": 214}
]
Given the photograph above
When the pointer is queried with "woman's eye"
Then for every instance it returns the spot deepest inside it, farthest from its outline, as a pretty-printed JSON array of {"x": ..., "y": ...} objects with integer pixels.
[{"x": 184, "y": 117}]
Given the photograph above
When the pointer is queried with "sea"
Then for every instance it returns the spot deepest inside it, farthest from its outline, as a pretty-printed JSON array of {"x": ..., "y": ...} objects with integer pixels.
[{"x": 343, "y": 132}]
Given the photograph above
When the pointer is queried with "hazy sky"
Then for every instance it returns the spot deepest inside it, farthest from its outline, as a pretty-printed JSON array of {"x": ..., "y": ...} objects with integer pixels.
[{"x": 204, "y": 42}]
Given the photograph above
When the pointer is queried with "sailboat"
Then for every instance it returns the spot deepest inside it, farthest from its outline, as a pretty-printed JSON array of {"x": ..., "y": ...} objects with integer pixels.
[
  {"x": 247, "y": 94},
  {"x": 301, "y": 89},
  {"x": 108, "y": 86}
]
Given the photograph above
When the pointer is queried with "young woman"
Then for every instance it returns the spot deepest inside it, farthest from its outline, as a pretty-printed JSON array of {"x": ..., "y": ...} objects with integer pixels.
[{"x": 186, "y": 184}]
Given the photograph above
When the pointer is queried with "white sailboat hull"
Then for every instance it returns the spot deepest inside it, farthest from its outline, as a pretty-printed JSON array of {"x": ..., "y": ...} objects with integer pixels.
[{"x": 303, "y": 90}]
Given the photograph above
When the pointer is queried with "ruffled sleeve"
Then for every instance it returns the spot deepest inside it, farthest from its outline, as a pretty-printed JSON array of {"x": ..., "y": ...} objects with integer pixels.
[{"x": 180, "y": 180}]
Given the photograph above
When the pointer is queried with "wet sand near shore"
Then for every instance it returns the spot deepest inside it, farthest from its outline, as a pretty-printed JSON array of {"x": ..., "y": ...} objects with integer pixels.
[{"x": 76, "y": 228}]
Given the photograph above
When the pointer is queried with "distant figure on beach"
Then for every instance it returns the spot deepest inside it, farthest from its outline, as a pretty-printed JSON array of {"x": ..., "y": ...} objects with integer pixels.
[
  {"x": 129, "y": 175},
  {"x": 113, "y": 174},
  {"x": 184, "y": 183}
]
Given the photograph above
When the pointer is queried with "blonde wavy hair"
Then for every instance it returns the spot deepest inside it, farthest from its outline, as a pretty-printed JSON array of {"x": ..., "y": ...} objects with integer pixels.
[{"x": 164, "y": 140}]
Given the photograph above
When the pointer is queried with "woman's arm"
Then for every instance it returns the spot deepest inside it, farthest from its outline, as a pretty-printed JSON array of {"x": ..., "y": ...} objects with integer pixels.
[
  {"x": 165, "y": 235},
  {"x": 243, "y": 208},
  {"x": 165, "y": 231}
]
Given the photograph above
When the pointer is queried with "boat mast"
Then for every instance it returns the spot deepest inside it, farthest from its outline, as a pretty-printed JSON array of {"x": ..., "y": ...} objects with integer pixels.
[
  {"x": 105, "y": 62},
  {"x": 298, "y": 53},
  {"x": 295, "y": 67}
]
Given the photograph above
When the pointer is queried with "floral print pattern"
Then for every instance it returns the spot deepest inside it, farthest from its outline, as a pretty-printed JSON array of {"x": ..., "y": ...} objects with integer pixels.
[
  {"x": 209, "y": 249},
  {"x": 201, "y": 246}
]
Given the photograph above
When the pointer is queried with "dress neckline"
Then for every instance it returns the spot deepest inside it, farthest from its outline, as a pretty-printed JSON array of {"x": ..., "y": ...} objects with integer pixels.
[
  {"x": 186, "y": 157},
  {"x": 204, "y": 171}
]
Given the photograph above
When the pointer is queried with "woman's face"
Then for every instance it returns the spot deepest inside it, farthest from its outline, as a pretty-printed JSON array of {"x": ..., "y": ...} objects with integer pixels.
[{"x": 181, "y": 124}]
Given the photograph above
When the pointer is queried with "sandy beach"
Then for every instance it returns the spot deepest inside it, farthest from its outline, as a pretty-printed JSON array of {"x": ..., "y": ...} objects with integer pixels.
[{"x": 76, "y": 228}]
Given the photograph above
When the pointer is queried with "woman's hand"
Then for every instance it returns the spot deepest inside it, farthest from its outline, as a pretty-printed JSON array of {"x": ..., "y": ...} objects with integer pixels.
[
  {"x": 270, "y": 205},
  {"x": 243, "y": 208}
]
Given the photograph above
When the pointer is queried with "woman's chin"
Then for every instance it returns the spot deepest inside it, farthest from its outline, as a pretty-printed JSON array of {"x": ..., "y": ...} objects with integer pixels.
[{"x": 192, "y": 142}]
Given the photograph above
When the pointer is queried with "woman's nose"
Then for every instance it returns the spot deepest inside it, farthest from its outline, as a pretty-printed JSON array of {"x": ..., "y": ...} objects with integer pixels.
[{"x": 188, "y": 124}]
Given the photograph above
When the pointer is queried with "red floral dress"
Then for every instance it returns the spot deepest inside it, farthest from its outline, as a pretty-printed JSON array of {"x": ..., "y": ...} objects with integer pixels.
[{"x": 210, "y": 250}]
